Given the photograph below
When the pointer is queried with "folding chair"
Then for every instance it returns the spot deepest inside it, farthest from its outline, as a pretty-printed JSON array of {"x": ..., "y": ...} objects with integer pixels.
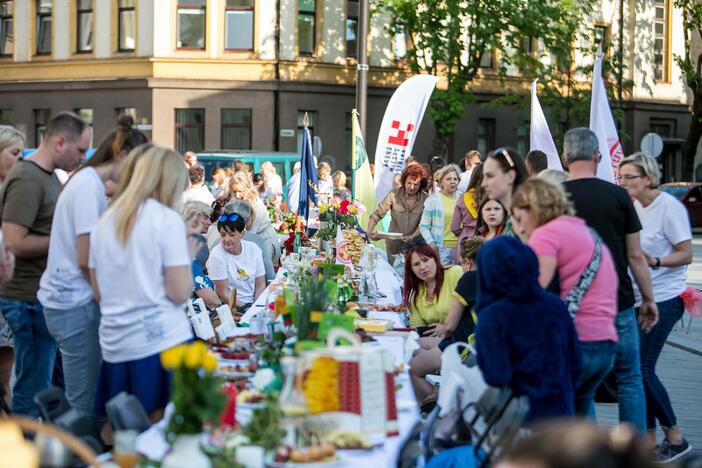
[{"x": 411, "y": 449}]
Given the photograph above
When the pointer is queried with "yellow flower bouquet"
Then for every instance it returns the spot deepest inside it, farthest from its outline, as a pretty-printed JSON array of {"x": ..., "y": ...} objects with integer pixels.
[{"x": 197, "y": 392}]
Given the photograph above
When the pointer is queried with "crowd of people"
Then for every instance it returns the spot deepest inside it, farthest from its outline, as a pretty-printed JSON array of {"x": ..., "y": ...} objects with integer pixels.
[{"x": 559, "y": 279}]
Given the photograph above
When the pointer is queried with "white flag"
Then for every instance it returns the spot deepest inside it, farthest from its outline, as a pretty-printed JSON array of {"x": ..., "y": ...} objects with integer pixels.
[
  {"x": 399, "y": 129},
  {"x": 602, "y": 124},
  {"x": 540, "y": 136}
]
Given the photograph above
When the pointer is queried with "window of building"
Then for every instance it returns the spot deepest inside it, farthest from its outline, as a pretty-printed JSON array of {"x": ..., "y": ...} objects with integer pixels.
[
  {"x": 486, "y": 135},
  {"x": 239, "y": 17},
  {"x": 191, "y": 24},
  {"x": 41, "y": 118},
  {"x": 84, "y": 25},
  {"x": 6, "y": 117},
  {"x": 348, "y": 135},
  {"x": 190, "y": 129},
  {"x": 43, "y": 32},
  {"x": 236, "y": 128},
  {"x": 601, "y": 36},
  {"x": 126, "y": 111},
  {"x": 661, "y": 53},
  {"x": 522, "y": 138},
  {"x": 351, "y": 28},
  {"x": 311, "y": 121},
  {"x": 126, "y": 25},
  {"x": 399, "y": 43},
  {"x": 7, "y": 34},
  {"x": 85, "y": 114},
  {"x": 665, "y": 128},
  {"x": 306, "y": 15},
  {"x": 487, "y": 61}
]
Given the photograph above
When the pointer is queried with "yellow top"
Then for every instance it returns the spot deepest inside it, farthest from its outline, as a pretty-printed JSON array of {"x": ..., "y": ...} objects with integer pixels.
[
  {"x": 448, "y": 204},
  {"x": 424, "y": 311}
]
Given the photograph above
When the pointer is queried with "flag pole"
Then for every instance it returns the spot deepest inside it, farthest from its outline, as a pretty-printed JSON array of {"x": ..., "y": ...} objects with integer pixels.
[{"x": 362, "y": 66}]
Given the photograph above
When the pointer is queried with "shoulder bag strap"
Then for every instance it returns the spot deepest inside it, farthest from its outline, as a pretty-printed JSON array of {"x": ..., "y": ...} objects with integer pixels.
[{"x": 576, "y": 294}]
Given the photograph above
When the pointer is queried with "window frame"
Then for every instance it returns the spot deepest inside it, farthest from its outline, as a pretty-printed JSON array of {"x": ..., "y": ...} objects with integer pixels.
[
  {"x": 351, "y": 16},
  {"x": 489, "y": 137},
  {"x": 223, "y": 126},
  {"x": 79, "y": 13},
  {"x": 40, "y": 127},
  {"x": 120, "y": 10},
  {"x": 665, "y": 37},
  {"x": 37, "y": 28},
  {"x": 490, "y": 53},
  {"x": 79, "y": 112},
  {"x": 203, "y": 7},
  {"x": 252, "y": 9},
  {"x": 3, "y": 18},
  {"x": 312, "y": 15},
  {"x": 177, "y": 126}
]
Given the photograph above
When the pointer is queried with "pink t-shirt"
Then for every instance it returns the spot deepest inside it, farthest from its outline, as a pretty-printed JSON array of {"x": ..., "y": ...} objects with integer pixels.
[{"x": 570, "y": 241}]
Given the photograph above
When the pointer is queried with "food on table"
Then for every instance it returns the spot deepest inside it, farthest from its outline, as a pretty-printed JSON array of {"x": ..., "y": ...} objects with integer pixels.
[
  {"x": 238, "y": 368},
  {"x": 354, "y": 244},
  {"x": 250, "y": 396},
  {"x": 348, "y": 440},
  {"x": 374, "y": 325},
  {"x": 383, "y": 307},
  {"x": 363, "y": 335},
  {"x": 322, "y": 385},
  {"x": 312, "y": 454}
]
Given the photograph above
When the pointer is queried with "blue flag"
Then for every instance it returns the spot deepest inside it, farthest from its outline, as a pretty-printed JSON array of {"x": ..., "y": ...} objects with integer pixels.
[{"x": 308, "y": 177}]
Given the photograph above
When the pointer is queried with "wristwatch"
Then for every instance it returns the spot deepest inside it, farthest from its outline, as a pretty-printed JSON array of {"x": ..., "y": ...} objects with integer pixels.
[{"x": 658, "y": 263}]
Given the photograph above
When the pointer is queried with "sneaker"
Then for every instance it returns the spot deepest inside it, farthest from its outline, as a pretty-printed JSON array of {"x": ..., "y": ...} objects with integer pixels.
[{"x": 665, "y": 452}]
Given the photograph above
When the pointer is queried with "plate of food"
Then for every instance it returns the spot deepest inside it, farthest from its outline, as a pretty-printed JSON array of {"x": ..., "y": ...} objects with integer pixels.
[
  {"x": 316, "y": 456},
  {"x": 346, "y": 440},
  {"x": 235, "y": 370}
]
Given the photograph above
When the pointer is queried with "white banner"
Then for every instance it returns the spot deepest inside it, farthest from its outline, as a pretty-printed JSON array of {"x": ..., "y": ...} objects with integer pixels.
[
  {"x": 399, "y": 129},
  {"x": 602, "y": 124},
  {"x": 540, "y": 136}
]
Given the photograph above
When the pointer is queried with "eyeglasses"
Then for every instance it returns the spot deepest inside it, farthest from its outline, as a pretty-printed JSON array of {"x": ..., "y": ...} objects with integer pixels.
[
  {"x": 503, "y": 151},
  {"x": 231, "y": 217}
]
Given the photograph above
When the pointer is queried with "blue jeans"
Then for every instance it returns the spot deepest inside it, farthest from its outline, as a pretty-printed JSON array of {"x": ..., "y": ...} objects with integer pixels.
[
  {"x": 76, "y": 332},
  {"x": 657, "y": 401},
  {"x": 598, "y": 358},
  {"x": 35, "y": 353},
  {"x": 627, "y": 369}
]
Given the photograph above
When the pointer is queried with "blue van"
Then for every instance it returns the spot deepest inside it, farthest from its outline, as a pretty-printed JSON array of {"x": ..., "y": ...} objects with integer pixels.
[{"x": 283, "y": 162}]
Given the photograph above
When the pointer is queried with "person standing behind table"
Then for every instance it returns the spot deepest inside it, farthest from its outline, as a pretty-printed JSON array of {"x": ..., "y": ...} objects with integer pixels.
[
  {"x": 189, "y": 159},
  {"x": 565, "y": 245},
  {"x": 27, "y": 202},
  {"x": 11, "y": 146},
  {"x": 435, "y": 225},
  {"x": 465, "y": 213},
  {"x": 140, "y": 271},
  {"x": 666, "y": 240},
  {"x": 536, "y": 162},
  {"x": 274, "y": 184},
  {"x": 293, "y": 188},
  {"x": 406, "y": 205},
  {"x": 471, "y": 161},
  {"x": 240, "y": 189},
  {"x": 219, "y": 179},
  {"x": 525, "y": 338},
  {"x": 340, "y": 190},
  {"x": 608, "y": 210},
  {"x": 236, "y": 264},
  {"x": 503, "y": 171},
  {"x": 197, "y": 190},
  {"x": 326, "y": 186},
  {"x": 71, "y": 313}
]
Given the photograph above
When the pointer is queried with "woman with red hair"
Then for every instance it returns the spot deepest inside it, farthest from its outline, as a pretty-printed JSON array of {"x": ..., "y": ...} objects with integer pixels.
[
  {"x": 428, "y": 291},
  {"x": 406, "y": 205}
]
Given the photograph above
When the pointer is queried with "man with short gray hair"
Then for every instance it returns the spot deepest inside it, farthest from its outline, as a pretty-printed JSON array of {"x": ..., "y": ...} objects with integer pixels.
[{"x": 608, "y": 209}]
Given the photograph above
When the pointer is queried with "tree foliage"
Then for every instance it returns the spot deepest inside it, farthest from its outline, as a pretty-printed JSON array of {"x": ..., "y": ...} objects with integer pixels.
[
  {"x": 449, "y": 38},
  {"x": 692, "y": 72}
]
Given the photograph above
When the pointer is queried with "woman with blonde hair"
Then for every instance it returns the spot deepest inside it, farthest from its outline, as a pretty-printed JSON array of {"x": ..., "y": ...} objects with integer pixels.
[
  {"x": 140, "y": 261},
  {"x": 11, "y": 146},
  {"x": 587, "y": 279},
  {"x": 340, "y": 190},
  {"x": 666, "y": 240},
  {"x": 435, "y": 225},
  {"x": 240, "y": 188}
]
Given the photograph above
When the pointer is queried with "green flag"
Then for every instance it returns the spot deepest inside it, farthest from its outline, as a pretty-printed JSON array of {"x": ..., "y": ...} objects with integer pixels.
[{"x": 363, "y": 187}]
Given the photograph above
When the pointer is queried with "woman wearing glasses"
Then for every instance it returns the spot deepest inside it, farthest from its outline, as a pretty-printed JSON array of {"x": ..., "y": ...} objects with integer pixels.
[
  {"x": 435, "y": 225},
  {"x": 503, "y": 171},
  {"x": 140, "y": 261},
  {"x": 666, "y": 240},
  {"x": 236, "y": 264}
]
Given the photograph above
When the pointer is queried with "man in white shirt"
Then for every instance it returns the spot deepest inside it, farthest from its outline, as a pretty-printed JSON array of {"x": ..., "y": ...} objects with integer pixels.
[
  {"x": 293, "y": 188},
  {"x": 197, "y": 190},
  {"x": 471, "y": 160}
]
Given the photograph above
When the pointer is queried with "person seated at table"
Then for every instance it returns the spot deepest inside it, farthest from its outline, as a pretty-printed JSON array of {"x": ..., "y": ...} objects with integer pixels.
[
  {"x": 236, "y": 264},
  {"x": 458, "y": 325},
  {"x": 196, "y": 215},
  {"x": 525, "y": 338},
  {"x": 243, "y": 208}
]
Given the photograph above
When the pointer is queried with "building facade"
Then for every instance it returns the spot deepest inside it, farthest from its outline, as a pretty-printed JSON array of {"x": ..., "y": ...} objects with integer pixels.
[{"x": 241, "y": 74}]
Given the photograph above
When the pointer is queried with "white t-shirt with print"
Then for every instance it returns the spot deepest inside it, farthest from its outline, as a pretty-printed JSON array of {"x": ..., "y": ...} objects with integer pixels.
[
  {"x": 665, "y": 224},
  {"x": 138, "y": 319},
  {"x": 81, "y": 203},
  {"x": 240, "y": 270}
]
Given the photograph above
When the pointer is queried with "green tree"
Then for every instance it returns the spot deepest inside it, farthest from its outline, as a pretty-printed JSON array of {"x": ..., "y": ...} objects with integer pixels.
[
  {"x": 449, "y": 38},
  {"x": 691, "y": 64}
]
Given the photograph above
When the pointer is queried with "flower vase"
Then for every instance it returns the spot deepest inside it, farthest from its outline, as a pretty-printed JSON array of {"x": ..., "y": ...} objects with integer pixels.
[{"x": 186, "y": 453}]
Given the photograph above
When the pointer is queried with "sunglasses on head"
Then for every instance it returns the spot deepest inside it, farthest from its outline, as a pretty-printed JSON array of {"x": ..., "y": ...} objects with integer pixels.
[
  {"x": 503, "y": 151},
  {"x": 231, "y": 217}
]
